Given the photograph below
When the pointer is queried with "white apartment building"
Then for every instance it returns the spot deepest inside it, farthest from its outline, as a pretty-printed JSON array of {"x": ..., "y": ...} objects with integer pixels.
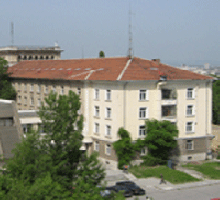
[{"x": 120, "y": 92}]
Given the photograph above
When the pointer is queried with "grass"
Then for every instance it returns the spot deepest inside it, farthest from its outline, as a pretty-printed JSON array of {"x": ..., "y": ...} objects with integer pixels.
[
  {"x": 173, "y": 176},
  {"x": 211, "y": 169}
]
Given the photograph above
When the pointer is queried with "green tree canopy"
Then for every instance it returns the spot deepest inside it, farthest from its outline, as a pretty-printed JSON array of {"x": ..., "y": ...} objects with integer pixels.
[
  {"x": 48, "y": 167},
  {"x": 101, "y": 54},
  {"x": 6, "y": 89},
  {"x": 160, "y": 139},
  {"x": 216, "y": 102}
]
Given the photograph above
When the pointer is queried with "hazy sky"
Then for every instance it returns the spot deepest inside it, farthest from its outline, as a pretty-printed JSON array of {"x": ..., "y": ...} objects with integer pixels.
[{"x": 172, "y": 30}]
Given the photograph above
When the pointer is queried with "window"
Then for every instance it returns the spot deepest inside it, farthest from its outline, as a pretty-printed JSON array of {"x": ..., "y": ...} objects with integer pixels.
[
  {"x": 97, "y": 111},
  {"x": 189, "y": 144},
  {"x": 96, "y": 146},
  {"x": 38, "y": 102},
  {"x": 143, "y": 152},
  {"x": 79, "y": 91},
  {"x": 97, "y": 128},
  {"x": 38, "y": 88},
  {"x": 25, "y": 87},
  {"x": 6, "y": 121},
  {"x": 143, "y": 113},
  {"x": 190, "y": 93},
  {"x": 190, "y": 110},
  {"x": 32, "y": 101},
  {"x": 142, "y": 131},
  {"x": 46, "y": 89},
  {"x": 97, "y": 94},
  {"x": 189, "y": 127},
  {"x": 19, "y": 86},
  {"x": 143, "y": 95},
  {"x": 32, "y": 87},
  {"x": 108, "y": 95},
  {"x": 62, "y": 90},
  {"x": 108, "y": 149},
  {"x": 54, "y": 89},
  {"x": 108, "y": 113},
  {"x": 25, "y": 100},
  {"x": 108, "y": 130},
  {"x": 168, "y": 111},
  {"x": 19, "y": 99}
]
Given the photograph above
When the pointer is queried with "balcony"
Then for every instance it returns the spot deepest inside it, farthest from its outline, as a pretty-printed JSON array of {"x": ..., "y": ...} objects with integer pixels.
[
  {"x": 169, "y": 112},
  {"x": 168, "y": 97}
]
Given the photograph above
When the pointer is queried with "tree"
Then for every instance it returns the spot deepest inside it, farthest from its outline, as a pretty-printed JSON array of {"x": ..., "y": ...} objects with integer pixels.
[
  {"x": 54, "y": 162},
  {"x": 124, "y": 148},
  {"x": 101, "y": 54},
  {"x": 6, "y": 89},
  {"x": 160, "y": 139},
  {"x": 216, "y": 102}
]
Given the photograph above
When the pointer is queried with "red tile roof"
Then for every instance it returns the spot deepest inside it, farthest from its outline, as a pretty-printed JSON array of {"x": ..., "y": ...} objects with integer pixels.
[{"x": 100, "y": 69}]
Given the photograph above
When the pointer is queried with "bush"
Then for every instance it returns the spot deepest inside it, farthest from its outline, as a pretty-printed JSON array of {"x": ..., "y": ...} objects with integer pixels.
[{"x": 152, "y": 161}]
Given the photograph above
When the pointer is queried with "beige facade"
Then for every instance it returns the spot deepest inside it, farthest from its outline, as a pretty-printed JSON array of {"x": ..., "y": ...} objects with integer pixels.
[
  {"x": 14, "y": 54},
  {"x": 109, "y": 105}
]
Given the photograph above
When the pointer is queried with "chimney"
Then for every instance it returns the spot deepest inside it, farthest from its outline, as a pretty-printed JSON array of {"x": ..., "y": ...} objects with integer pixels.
[{"x": 157, "y": 60}]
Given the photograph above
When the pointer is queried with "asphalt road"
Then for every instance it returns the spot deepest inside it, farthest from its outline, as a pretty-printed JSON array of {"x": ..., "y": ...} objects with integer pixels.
[{"x": 198, "y": 193}]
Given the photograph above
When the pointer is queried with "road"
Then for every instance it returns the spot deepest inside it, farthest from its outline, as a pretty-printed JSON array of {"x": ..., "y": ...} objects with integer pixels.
[{"x": 198, "y": 193}]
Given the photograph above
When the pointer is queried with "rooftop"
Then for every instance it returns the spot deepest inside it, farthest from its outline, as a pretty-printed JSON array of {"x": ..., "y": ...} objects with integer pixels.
[{"x": 110, "y": 69}]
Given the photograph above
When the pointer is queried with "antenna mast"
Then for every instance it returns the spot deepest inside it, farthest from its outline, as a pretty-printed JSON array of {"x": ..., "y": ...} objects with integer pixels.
[
  {"x": 12, "y": 33},
  {"x": 130, "y": 50}
]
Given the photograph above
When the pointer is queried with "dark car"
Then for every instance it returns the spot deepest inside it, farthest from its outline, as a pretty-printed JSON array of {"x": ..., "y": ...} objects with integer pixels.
[
  {"x": 126, "y": 191},
  {"x": 132, "y": 186}
]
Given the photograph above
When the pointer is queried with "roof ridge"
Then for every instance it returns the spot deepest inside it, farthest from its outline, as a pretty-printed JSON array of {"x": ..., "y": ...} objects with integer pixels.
[{"x": 123, "y": 71}]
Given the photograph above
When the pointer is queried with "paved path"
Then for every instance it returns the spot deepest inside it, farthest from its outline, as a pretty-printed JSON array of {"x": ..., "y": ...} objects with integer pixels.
[{"x": 112, "y": 176}]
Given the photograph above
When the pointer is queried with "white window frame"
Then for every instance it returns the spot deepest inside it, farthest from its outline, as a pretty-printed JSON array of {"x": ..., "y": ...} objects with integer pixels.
[
  {"x": 32, "y": 88},
  {"x": 108, "y": 96},
  {"x": 97, "y": 111},
  {"x": 96, "y": 146},
  {"x": 108, "y": 114},
  {"x": 108, "y": 130},
  {"x": 38, "y": 102},
  {"x": 143, "y": 113},
  {"x": 143, "y": 95},
  {"x": 96, "y": 128},
  {"x": 108, "y": 149},
  {"x": 32, "y": 101},
  {"x": 187, "y": 127},
  {"x": 25, "y": 100},
  {"x": 54, "y": 89},
  {"x": 19, "y": 99},
  {"x": 38, "y": 88},
  {"x": 46, "y": 89},
  {"x": 142, "y": 131},
  {"x": 192, "y": 91},
  {"x": 192, "y": 110},
  {"x": 62, "y": 90},
  {"x": 96, "y": 94},
  {"x": 188, "y": 144},
  {"x": 25, "y": 87}
]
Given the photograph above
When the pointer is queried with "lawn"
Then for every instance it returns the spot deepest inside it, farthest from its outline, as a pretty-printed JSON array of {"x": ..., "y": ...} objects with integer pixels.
[
  {"x": 173, "y": 176},
  {"x": 212, "y": 169}
]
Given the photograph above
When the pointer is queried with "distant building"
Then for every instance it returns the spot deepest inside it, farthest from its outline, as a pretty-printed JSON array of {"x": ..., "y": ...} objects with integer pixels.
[
  {"x": 122, "y": 92},
  {"x": 14, "y": 54},
  {"x": 10, "y": 129}
]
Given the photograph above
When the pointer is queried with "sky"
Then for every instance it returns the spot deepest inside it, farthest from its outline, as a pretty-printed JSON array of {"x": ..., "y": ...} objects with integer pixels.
[{"x": 177, "y": 32}]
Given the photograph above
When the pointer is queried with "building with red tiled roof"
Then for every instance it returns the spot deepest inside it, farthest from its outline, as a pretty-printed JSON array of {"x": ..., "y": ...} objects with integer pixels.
[{"x": 123, "y": 92}]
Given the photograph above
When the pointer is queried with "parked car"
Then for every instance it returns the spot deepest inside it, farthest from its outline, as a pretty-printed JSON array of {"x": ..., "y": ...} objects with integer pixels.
[
  {"x": 126, "y": 191},
  {"x": 132, "y": 186}
]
